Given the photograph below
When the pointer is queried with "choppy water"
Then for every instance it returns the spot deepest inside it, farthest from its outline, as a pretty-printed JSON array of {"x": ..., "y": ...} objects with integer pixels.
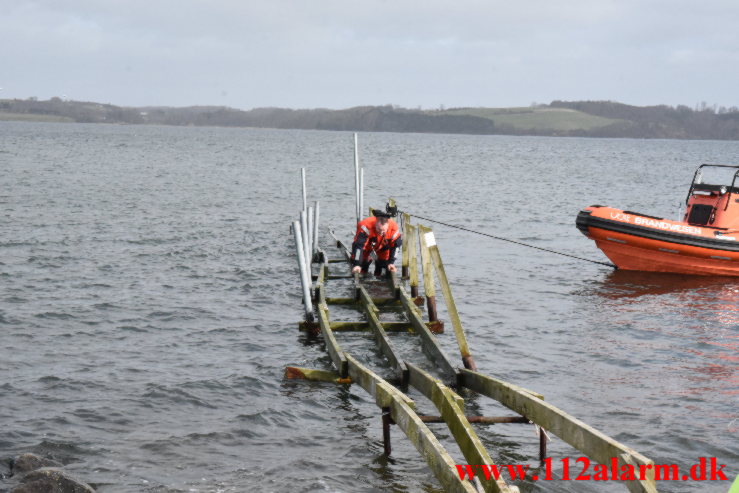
[{"x": 149, "y": 297}]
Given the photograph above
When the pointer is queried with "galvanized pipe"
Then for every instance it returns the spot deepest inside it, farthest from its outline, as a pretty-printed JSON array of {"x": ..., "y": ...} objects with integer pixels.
[
  {"x": 361, "y": 193},
  {"x": 304, "y": 272},
  {"x": 306, "y": 246},
  {"x": 305, "y": 199},
  {"x": 309, "y": 219},
  {"x": 356, "y": 179},
  {"x": 315, "y": 227}
]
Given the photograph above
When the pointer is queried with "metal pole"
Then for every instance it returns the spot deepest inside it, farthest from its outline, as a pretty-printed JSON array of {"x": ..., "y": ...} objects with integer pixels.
[
  {"x": 309, "y": 219},
  {"x": 315, "y": 228},
  {"x": 306, "y": 246},
  {"x": 304, "y": 273},
  {"x": 361, "y": 193},
  {"x": 386, "y": 421},
  {"x": 305, "y": 200},
  {"x": 356, "y": 179},
  {"x": 542, "y": 444}
]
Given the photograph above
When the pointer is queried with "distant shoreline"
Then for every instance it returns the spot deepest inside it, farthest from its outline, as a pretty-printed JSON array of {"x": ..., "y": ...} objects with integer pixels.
[{"x": 557, "y": 119}]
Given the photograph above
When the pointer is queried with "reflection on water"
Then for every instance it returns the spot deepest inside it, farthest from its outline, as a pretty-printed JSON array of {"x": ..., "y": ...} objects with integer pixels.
[{"x": 627, "y": 284}]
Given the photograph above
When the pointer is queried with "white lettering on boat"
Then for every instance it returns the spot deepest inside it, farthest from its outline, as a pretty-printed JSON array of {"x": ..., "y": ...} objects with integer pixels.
[
  {"x": 680, "y": 228},
  {"x": 620, "y": 216}
]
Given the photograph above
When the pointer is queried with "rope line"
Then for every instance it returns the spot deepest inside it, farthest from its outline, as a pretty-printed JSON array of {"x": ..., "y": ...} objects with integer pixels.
[{"x": 510, "y": 241}]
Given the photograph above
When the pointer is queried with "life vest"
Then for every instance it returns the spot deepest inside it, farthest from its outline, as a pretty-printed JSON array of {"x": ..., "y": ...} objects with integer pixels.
[{"x": 382, "y": 245}]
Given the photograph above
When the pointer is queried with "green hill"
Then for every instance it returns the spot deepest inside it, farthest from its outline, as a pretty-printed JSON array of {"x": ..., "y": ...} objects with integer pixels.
[
  {"x": 541, "y": 119},
  {"x": 560, "y": 118}
]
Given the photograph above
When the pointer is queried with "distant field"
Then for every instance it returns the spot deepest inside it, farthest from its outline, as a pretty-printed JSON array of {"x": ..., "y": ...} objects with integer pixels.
[
  {"x": 30, "y": 117},
  {"x": 556, "y": 119}
]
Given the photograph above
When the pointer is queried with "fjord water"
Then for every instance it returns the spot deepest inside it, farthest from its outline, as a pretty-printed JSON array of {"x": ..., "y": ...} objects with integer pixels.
[{"x": 150, "y": 296}]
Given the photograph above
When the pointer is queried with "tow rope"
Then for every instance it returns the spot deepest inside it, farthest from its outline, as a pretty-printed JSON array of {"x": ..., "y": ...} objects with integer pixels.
[{"x": 608, "y": 264}]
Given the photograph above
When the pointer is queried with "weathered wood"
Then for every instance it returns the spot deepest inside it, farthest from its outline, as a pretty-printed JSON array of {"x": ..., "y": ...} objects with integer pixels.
[
  {"x": 332, "y": 347},
  {"x": 365, "y": 326},
  {"x": 304, "y": 326},
  {"x": 480, "y": 420},
  {"x": 428, "y": 341},
  {"x": 382, "y": 391},
  {"x": 393, "y": 282},
  {"x": 451, "y": 407},
  {"x": 340, "y": 245},
  {"x": 412, "y": 258},
  {"x": 428, "y": 275},
  {"x": 581, "y": 436},
  {"x": 379, "y": 301},
  {"x": 451, "y": 306},
  {"x": 404, "y": 262},
  {"x": 402, "y": 411},
  {"x": 381, "y": 337},
  {"x": 313, "y": 375}
]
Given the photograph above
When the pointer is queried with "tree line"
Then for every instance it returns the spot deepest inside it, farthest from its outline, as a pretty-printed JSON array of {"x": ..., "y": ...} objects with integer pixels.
[{"x": 681, "y": 122}]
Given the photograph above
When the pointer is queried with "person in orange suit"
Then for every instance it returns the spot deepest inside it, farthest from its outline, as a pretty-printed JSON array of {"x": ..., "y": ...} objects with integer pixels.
[{"x": 380, "y": 234}]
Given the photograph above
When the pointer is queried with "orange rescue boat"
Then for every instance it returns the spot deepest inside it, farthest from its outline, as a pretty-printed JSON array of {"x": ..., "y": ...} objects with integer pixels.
[{"x": 705, "y": 242}]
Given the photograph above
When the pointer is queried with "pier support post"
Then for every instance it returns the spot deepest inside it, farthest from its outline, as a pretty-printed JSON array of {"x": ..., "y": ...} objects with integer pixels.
[
  {"x": 542, "y": 444},
  {"x": 387, "y": 420}
]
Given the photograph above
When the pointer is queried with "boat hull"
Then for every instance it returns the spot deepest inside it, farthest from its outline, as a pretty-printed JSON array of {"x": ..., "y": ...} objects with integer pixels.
[{"x": 634, "y": 241}]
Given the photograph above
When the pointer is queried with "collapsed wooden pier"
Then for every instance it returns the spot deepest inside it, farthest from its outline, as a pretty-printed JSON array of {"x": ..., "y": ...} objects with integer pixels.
[{"x": 318, "y": 272}]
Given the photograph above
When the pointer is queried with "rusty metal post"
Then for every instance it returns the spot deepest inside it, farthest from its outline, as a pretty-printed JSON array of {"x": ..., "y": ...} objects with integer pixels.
[
  {"x": 386, "y": 422},
  {"x": 542, "y": 444},
  {"x": 431, "y": 306}
]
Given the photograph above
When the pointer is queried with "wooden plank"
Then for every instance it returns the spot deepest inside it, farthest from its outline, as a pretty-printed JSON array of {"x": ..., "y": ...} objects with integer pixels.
[
  {"x": 332, "y": 347},
  {"x": 365, "y": 326},
  {"x": 381, "y": 337},
  {"x": 404, "y": 249},
  {"x": 581, "y": 436},
  {"x": 428, "y": 275},
  {"x": 313, "y": 375},
  {"x": 451, "y": 407},
  {"x": 340, "y": 244},
  {"x": 379, "y": 388},
  {"x": 322, "y": 273},
  {"x": 402, "y": 411},
  {"x": 379, "y": 301},
  {"x": 428, "y": 341},
  {"x": 412, "y": 257},
  {"x": 451, "y": 306}
]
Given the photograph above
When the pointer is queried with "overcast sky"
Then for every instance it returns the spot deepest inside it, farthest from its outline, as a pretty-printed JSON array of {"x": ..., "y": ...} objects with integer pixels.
[{"x": 344, "y": 53}]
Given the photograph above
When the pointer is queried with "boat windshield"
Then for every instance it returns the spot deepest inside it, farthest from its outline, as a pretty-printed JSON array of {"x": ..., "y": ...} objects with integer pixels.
[{"x": 716, "y": 174}]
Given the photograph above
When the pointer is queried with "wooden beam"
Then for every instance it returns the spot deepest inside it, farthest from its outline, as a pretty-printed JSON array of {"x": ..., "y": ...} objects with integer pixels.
[
  {"x": 412, "y": 259},
  {"x": 428, "y": 275},
  {"x": 583, "y": 437},
  {"x": 451, "y": 306},
  {"x": 351, "y": 301},
  {"x": 428, "y": 341},
  {"x": 451, "y": 407},
  {"x": 480, "y": 420},
  {"x": 332, "y": 347},
  {"x": 294, "y": 372},
  {"x": 404, "y": 262},
  {"x": 402, "y": 411},
  {"x": 381, "y": 337}
]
